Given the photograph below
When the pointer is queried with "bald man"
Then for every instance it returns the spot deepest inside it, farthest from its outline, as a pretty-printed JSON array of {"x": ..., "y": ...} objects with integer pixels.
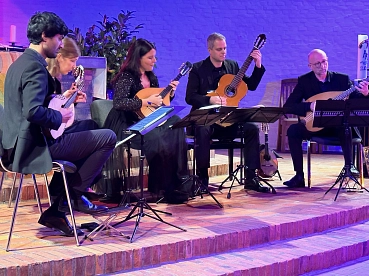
[{"x": 318, "y": 80}]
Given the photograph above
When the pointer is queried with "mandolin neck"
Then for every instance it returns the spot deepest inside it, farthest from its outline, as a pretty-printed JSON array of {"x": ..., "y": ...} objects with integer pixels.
[{"x": 169, "y": 88}]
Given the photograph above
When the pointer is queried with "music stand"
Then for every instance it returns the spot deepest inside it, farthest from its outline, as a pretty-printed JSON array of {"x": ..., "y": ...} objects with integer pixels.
[
  {"x": 144, "y": 126},
  {"x": 353, "y": 112},
  {"x": 253, "y": 114},
  {"x": 201, "y": 117}
]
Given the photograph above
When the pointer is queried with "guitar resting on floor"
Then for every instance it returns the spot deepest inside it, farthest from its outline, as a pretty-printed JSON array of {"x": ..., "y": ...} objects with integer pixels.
[
  {"x": 268, "y": 159},
  {"x": 59, "y": 101}
]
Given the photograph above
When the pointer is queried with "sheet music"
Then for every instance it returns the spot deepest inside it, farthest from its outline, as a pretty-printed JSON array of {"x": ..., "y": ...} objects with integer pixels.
[{"x": 152, "y": 118}]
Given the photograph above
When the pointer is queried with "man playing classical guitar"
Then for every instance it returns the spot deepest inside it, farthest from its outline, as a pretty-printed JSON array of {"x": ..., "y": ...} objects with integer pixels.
[
  {"x": 203, "y": 78},
  {"x": 319, "y": 80}
]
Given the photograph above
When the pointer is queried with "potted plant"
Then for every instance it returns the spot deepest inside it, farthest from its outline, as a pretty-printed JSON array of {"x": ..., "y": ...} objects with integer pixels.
[{"x": 109, "y": 38}]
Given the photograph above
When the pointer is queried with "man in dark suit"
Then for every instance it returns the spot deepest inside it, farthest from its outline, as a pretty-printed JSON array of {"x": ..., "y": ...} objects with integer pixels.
[
  {"x": 27, "y": 87},
  {"x": 317, "y": 81},
  {"x": 203, "y": 78}
]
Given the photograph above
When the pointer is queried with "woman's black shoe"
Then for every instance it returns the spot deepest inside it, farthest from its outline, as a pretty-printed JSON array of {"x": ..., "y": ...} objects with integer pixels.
[
  {"x": 109, "y": 199},
  {"x": 93, "y": 195}
]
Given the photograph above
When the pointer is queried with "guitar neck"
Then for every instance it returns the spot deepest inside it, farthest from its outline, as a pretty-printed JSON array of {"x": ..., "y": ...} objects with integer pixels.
[
  {"x": 266, "y": 143},
  {"x": 167, "y": 89},
  {"x": 71, "y": 99},
  {"x": 236, "y": 80},
  {"x": 345, "y": 94}
]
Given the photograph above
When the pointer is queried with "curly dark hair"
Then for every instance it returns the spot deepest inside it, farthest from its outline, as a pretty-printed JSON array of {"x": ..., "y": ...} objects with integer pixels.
[{"x": 45, "y": 22}]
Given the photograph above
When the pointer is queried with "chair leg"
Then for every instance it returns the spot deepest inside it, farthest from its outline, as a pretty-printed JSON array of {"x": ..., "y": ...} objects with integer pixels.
[
  {"x": 69, "y": 204},
  {"x": 2, "y": 180},
  {"x": 308, "y": 157},
  {"x": 359, "y": 160},
  {"x": 37, "y": 194},
  {"x": 230, "y": 162},
  {"x": 12, "y": 191},
  {"x": 14, "y": 211},
  {"x": 47, "y": 188}
]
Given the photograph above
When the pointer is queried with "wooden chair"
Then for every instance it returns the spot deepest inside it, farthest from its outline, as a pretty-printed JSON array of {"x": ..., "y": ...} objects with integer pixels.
[{"x": 287, "y": 86}]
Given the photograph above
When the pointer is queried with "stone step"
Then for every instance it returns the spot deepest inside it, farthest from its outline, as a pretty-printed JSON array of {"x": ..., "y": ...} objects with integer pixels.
[
  {"x": 288, "y": 257},
  {"x": 263, "y": 239},
  {"x": 356, "y": 267}
]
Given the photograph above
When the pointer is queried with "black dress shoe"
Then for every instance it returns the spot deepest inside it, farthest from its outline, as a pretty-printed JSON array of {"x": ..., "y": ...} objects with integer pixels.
[
  {"x": 297, "y": 181},
  {"x": 109, "y": 199},
  {"x": 82, "y": 205},
  {"x": 60, "y": 224},
  {"x": 254, "y": 184}
]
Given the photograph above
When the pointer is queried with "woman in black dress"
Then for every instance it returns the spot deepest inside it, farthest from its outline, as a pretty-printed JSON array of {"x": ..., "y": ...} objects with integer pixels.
[{"x": 165, "y": 148}]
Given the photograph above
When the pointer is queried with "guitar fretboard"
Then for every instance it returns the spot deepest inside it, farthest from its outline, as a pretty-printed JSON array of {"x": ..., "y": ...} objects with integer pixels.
[{"x": 236, "y": 80}]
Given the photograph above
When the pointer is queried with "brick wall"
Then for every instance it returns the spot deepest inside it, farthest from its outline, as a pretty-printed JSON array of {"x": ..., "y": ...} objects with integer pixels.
[{"x": 180, "y": 28}]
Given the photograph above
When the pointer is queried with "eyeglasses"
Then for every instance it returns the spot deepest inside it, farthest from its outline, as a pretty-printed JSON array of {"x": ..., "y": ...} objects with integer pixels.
[{"x": 320, "y": 63}]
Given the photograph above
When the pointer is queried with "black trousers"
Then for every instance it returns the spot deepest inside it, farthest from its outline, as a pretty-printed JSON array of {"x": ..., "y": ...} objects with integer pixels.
[
  {"x": 88, "y": 150},
  {"x": 297, "y": 133},
  {"x": 204, "y": 134}
]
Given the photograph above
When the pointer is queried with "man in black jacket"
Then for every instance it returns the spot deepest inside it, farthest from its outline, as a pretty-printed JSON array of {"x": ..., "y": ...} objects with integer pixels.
[
  {"x": 28, "y": 85},
  {"x": 317, "y": 81},
  {"x": 204, "y": 77}
]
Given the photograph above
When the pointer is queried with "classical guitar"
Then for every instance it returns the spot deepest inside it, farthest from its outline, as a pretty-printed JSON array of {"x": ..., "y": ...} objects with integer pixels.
[
  {"x": 164, "y": 93},
  {"x": 268, "y": 159},
  {"x": 59, "y": 101},
  {"x": 231, "y": 86},
  {"x": 333, "y": 95}
]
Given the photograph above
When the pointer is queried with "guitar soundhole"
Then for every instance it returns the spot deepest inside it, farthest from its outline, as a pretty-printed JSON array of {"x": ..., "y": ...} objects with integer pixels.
[{"x": 230, "y": 92}]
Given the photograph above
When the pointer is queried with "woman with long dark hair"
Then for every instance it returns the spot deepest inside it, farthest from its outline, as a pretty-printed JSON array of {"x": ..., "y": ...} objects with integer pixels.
[{"x": 165, "y": 148}]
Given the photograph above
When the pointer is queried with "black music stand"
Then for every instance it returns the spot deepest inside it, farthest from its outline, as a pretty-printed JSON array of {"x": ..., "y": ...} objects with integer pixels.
[
  {"x": 353, "y": 112},
  {"x": 253, "y": 114},
  {"x": 144, "y": 126},
  {"x": 201, "y": 117}
]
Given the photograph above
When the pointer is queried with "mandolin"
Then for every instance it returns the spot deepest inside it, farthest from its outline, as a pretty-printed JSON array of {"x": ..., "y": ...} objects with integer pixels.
[
  {"x": 268, "y": 159},
  {"x": 231, "y": 86},
  {"x": 164, "y": 93},
  {"x": 59, "y": 101},
  {"x": 333, "y": 95}
]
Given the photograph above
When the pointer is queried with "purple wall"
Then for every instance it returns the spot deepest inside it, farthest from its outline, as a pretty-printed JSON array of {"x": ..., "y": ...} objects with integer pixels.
[{"x": 180, "y": 28}]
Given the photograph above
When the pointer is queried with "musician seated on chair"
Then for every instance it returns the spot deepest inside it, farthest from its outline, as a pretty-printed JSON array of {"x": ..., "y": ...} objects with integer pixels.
[
  {"x": 28, "y": 149},
  {"x": 62, "y": 64},
  {"x": 165, "y": 148},
  {"x": 318, "y": 81},
  {"x": 204, "y": 77}
]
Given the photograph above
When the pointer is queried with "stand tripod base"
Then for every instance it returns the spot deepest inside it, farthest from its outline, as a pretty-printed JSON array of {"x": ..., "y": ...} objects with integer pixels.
[
  {"x": 200, "y": 190},
  {"x": 345, "y": 176},
  {"x": 232, "y": 177},
  {"x": 140, "y": 205}
]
